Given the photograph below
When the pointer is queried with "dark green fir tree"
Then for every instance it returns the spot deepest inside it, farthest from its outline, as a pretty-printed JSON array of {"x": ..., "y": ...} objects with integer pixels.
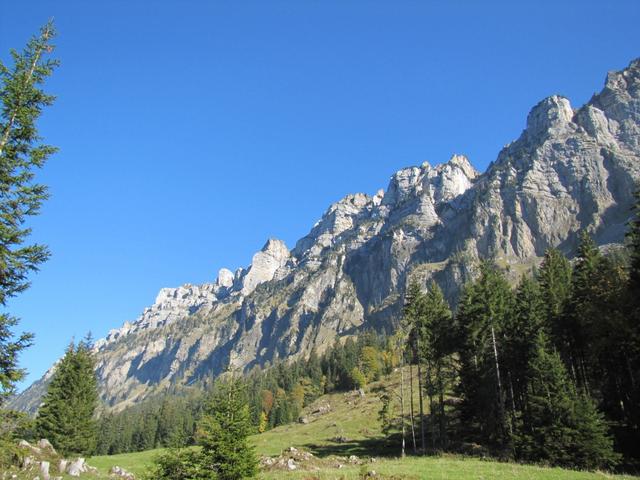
[
  {"x": 520, "y": 332},
  {"x": 554, "y": 278},
  {"x": 483, "y": 312},
  {"x": 223, "y": 432},
  {"x": 21, "y": 154},
  {"x": 560, "y": 425},
  {"x": 437, "y": 351},
  {"x": 66, "y": 417}
]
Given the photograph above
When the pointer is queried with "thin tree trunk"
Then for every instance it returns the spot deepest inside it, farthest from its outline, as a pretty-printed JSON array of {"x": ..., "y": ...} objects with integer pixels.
[
  {"x": 583, "y": 370},
  {"x": 428, "y": 387},
  {"x": 630, "y": 371},
  {"x": 513, "y": 403},
  {"x": 574, "y": 375},
  {"x": 402, "y": 454},
  {"x": 422, "y": 437},
  {"x": 441, "y": 420},
  {"x": 500, "y": 404},
  {"x": 413, "y": 429}
]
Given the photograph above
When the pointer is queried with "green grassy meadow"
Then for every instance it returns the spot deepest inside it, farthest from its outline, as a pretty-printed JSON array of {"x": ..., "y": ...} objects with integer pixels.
[
  {"x": 436, "y": 468},
  {"x": 351, "y": 427}
]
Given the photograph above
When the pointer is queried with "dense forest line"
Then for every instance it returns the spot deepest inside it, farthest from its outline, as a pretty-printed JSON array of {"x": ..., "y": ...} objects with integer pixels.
[{"x": 276, "y": 396}]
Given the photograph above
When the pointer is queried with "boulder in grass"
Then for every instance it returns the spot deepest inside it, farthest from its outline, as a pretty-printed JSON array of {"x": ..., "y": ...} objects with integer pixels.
[
  {"x": 44, "y": 470},
  {"x": 45, "y": 444},
  {"x": 121, "y": 473},
  {"x": 23, "y": 444},
  {"x": 76, "y": 467}
]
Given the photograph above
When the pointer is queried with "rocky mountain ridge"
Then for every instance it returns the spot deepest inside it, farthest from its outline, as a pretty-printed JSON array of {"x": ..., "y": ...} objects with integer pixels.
[{"x": 571, "y": 169}]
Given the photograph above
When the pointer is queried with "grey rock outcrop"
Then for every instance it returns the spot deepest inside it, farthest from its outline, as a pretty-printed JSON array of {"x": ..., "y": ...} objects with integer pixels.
[
  {"x": 121, "y": 473},
  {"x": 44, "y": 470},
  {"x": 570, "y": 170},
  {"x": 79, "y": 466},
  {"x": 264, "y": 265}
]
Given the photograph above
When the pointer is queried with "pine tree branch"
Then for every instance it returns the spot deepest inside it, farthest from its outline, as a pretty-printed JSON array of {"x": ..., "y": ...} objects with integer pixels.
[{"x": 41, "y": 46}]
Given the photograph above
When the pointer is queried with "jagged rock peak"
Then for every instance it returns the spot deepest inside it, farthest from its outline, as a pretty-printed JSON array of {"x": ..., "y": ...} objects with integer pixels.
[
  {"x": 276, "y": 248},
  {"x": 338, "y": 218},
  {"x": 451, "y": 179},
  {"x": 620, "y": 101},
  {"x": 621, "y": 80},
  {"x": 442, "y": 182},
  {"x": 264, "y": 265},
  {"x": 225, "y": 278},
  {"x": 403, "y": 184},
  {"x": 550, "y": 115},
  {"x": 462, "y": 162}
]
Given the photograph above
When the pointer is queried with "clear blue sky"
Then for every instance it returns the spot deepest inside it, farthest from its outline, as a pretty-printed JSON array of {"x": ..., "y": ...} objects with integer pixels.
[{"x": 190, "y": 132}]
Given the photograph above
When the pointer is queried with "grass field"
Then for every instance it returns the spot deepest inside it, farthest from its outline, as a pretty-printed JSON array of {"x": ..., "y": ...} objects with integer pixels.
[
  {"x": 351, "y": 427},
  {"x": 446, "y": 468},
  {"x": 433, "y": 468}
]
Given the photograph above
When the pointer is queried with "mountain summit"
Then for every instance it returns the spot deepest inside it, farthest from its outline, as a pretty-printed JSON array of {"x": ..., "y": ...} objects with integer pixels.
[{"x": 570, "y": 170}]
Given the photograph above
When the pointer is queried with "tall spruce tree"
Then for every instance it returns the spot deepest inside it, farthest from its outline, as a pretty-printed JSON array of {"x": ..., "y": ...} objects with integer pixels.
[
  {"x": 437, "y": 351},
  {"x": 520, "y": 332},
  {"x": 554, "y": 278},
  {"x": 414, "y": 323},
  {"x": 21, "y": 153},
  {"x": 633, "y": 238},
  {"x": 223, "y": 432},
  {"x": 482, "y": 313},
  {"x": 66, "y": 417},
  {"x": 581, "y": 313},
  {"x": 631, "y": 345},
  {"x": 560, "y": 426}
]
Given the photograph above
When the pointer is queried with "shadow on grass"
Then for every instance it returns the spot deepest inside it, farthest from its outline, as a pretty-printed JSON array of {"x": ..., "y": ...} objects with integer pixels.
[{"x": 368, "y": 447}]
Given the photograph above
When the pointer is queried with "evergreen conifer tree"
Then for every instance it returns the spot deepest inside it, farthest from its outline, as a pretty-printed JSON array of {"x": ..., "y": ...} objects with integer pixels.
[
  {"x": 631, "y": 347},
  {"x": 66, "y": 417},
  {"x": 483, "y": 311},
  {"x": 560, "y": 425},
  {"x": 633, "y": 238},
  {"x": 414, "y": 323},
  {"x": 437, "y": 350},
  {"x": 520, "y": 333},
  {"x": 21, "y": 153},
  {"x": 554, "y": 278},
  {"x": 582, "y": 314},
  {"x": 223, "y": 432}
]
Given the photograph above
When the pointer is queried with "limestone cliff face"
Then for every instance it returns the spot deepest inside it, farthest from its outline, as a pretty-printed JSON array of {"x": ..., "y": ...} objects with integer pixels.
[{"x": 571, "y": 169}]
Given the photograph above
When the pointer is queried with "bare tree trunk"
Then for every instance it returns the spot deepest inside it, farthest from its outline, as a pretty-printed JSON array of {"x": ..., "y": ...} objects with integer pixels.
[
  {"x": 422, "y": 434},
  {"x": 585, "y": 380},
  {"x": 431, "y": 404},
  {"x": 500, "y": 404},
  {"x": 574, "y": 375},
  {"x": 630, "y": 371},
  {"x": 513, "y": 404},
  {"x": 443, "y": 435},
  {"x": 413, "y": 429},
  {"x": 513, "y": 401},
  {"x": 402, "y": 400}
]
